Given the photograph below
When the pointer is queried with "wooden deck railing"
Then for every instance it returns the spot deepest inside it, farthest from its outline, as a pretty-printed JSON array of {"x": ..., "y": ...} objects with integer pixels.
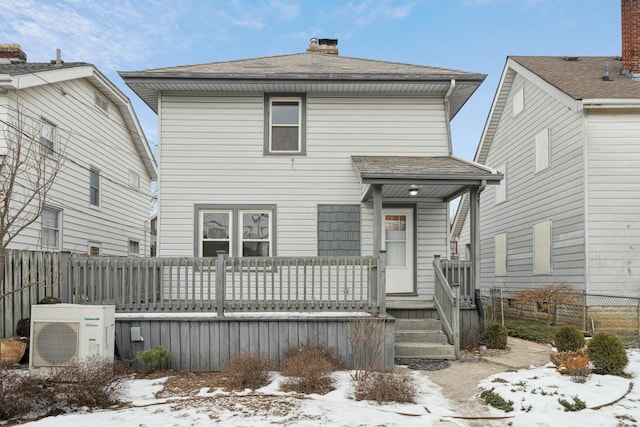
[
  {"x": 459, "y": 273},
  {"x": 446, "y": 299},
  {"x": 228, "y": 284}
]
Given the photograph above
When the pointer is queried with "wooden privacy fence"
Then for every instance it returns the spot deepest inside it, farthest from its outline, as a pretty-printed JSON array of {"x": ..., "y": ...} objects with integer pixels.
[
  {"x": 29, "y": 277},
  {"x": 227, "y": 284}
]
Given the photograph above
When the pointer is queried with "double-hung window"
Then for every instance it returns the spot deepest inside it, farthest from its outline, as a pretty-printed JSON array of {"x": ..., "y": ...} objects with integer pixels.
[
  {"x": 285, "y": 127},
  {"x": 94, "y": 187},
  {"x": 50, "y": 228},
  {"x": 236, "y": 230},
  {"x": 47, "y": 137}
]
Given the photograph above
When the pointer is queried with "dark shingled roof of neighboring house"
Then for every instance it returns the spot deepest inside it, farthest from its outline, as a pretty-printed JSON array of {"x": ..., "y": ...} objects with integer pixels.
[
  {"x": 582, "y": 77},
  {"x": 16, "y": 69}
]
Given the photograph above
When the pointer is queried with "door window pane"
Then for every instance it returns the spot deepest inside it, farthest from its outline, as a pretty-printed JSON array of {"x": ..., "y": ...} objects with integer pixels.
[{"x": 395, "y": 227}]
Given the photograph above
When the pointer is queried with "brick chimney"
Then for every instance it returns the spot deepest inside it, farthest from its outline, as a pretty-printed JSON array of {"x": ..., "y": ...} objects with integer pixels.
[
  {"x": 12, "y": 52},
  {"x": 631, "y": 38},
  {"x": 326, "y": 46}
]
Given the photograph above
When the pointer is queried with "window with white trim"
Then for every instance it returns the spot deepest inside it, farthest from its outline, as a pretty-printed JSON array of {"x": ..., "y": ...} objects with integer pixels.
[
  {"x": 47, "y": 137},
  {"x": 94, "y": 249},
  {"x": 94, "y": 187},
  {"x": 285, "y": 127},
  {"x": 134, "y": 248},
  {"x": 542, "y": 149},
  {"x": 542, "y": 248},
  {"x": 518, "y": 102},
  {"x": 51, "y": 228},
  {"x": 236, "y": 230},
  {"x": 101, "y": 103}
]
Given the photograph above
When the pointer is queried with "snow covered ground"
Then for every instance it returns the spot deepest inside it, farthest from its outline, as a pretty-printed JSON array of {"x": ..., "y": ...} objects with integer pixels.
[{"x": 534, "y": 392}]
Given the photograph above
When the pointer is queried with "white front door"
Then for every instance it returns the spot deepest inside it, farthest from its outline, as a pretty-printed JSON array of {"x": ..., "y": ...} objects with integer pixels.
[{"x": 397, "y": 239}]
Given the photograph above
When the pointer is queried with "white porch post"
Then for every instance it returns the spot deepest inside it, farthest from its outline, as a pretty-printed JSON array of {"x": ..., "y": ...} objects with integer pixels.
[{"x": 474, "y": 222}]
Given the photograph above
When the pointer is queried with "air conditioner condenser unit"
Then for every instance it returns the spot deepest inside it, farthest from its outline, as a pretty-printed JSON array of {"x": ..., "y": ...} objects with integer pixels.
[{"x": 64, "y": 334}]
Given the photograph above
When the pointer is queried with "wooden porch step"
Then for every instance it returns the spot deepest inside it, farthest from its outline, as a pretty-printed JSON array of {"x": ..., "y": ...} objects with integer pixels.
[
  {"x": 432, "y": 351},
  {"x": 418, "y": 324},
  {"x": 427, "y": 336}
]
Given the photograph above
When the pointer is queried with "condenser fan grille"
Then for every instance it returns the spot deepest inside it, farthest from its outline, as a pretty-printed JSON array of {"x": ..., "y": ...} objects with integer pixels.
[{"x": 55, "y": 343}]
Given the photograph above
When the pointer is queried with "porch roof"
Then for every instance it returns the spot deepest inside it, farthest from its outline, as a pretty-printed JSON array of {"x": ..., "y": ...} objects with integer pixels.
[{"x": 441, "y": 177}]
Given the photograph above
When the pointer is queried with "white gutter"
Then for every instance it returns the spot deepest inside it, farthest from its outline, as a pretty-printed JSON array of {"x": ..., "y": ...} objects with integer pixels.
[
  {"x": 610, "y": 102},
  {"x": 447, "y": 112}
]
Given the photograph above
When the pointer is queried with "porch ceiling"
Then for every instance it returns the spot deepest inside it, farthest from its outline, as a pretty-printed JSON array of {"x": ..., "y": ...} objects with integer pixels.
[{"x": 439, "y": 177}]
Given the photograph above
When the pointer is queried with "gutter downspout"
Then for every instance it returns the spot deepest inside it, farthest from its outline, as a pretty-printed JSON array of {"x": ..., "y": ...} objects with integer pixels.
[{"x": 447, "y": 112}]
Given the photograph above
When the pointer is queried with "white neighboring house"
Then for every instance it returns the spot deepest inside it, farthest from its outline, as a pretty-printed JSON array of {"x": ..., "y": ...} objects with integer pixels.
[
  {"x": 100, "y": 201},
  {"x": 301, "y": 154},
  {"x": 565, "y": 131}
]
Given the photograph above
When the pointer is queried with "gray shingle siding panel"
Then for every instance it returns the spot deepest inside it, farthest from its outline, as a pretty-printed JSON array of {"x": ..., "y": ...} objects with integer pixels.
[{"x": 338, "y": 230}]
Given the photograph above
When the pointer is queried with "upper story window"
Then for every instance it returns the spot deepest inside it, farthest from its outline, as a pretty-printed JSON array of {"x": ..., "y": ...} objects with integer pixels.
[
  {"x": 47, "y": 137},
  {"x": 518, "y": 101},
  {"x": 285, "y": 125},
  {"x": 101, "y": 103},
  {"x": 94, "y": 187},
  {"x": 51, "y": 228},
  {"x": 542, "y": 148}
]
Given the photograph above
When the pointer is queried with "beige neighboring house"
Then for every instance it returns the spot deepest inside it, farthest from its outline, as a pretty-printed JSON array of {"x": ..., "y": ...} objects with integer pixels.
[
  {"x": 100, "y": 201},
  {"x": 565, "y": 131}
]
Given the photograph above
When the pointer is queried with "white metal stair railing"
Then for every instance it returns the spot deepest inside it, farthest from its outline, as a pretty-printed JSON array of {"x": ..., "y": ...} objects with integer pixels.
[{"x": 446, "y": 300}]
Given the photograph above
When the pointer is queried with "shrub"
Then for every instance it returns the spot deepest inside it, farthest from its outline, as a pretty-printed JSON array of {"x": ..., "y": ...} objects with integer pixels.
[
  {"x": 606, "y": 352},
  {"x": 310, "y": 369},
  {"x": 95, "y": 383},
  {"x": 548, "y": 299},
  {"x": 247, "y": 371},
  {"x": 577, "y": 405},
  {"x": 22, "y": 394},
  {"x": 366, "y": 336},
  {"x": 573, "y": 363},
  {"x": 496, "y": 336},
  {"x": 386, "y": 387},
  {"x": 154, "y": 357},
  {"x": 568, "y": 338},
  {"x": 494, "y": 399}
]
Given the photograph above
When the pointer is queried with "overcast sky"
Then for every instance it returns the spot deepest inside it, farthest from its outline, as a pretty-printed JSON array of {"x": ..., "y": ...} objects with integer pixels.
[{"x": 469, "y": 35}]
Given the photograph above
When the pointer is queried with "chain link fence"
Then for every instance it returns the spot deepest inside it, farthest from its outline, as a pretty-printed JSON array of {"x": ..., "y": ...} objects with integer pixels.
[{"x": 592, "y": 313}]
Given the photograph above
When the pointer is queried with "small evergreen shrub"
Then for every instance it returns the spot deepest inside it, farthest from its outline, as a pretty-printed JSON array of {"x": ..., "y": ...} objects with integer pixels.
[
  {"x": 577, "y": 404},
  {"x": 247, "y": 371},
  {"x": 494, "y": 399},
  {"x": 496, "y": 336},
  {"x": 568, "y": 338},
  {"x": 606, "y": 352},
  {"x": 154, "y": 357}
]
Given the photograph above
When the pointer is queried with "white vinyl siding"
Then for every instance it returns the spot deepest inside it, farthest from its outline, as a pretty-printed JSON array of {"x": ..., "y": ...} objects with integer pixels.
[
  {"x": 89, "y": 138},
  {"x": 542, "y": 248},
  {"x": 542, "y": 150},
  {"x": 557, "y": 193},
  {"x": 500, "y": 254},
  {"x": 501, "y": 189},
  {"x": 613, "y": 145},
  {"x": 232, "y": 128}
]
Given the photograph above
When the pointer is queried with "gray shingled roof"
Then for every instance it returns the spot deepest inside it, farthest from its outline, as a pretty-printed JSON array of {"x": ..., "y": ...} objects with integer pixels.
[
  {"x": 582, "y": 78},
  {"x": 309, "y": 66},
  {"x": 420, "y": 167},
  {"x": 36, "y": 67}
]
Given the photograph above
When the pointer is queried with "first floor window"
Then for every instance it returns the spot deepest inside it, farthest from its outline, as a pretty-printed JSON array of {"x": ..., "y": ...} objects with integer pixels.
[
  {"x": 500, "y": 267},
  {"x": 134, "y": 248},
  {"x": 542, "y": 241},
  {"x": 51, "y": 228},
  {"x": 95, "y": 249},
  {"x": 94, "y": 187},
  {"x": 238, "y": 231}
]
